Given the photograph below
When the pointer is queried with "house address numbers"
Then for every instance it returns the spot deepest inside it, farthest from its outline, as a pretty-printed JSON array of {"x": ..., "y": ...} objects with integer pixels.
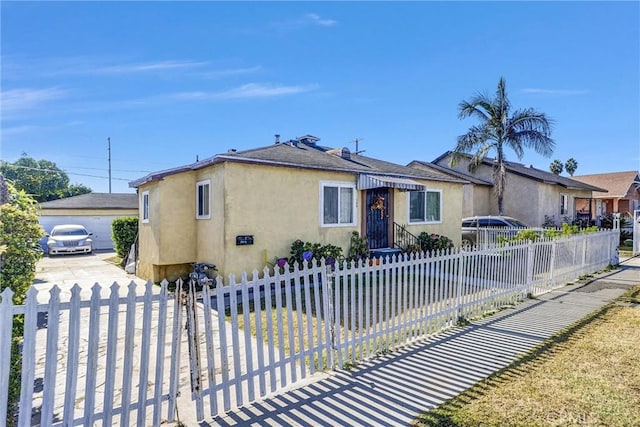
[{"x": 244, "y": 240}]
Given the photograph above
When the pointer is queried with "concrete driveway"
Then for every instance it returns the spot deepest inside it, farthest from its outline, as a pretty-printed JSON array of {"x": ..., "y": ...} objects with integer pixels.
[{"x": 85, "y": 270}]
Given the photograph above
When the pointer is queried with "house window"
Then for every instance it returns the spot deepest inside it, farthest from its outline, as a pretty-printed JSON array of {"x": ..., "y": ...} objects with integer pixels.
[
  {"x": 564, "y": 204},
  {"x": 203, "y": 199},
  {"x": 145, "y": 206},
  {"x": 425, "y": 206},
  {"x": 337, "y": 204}
]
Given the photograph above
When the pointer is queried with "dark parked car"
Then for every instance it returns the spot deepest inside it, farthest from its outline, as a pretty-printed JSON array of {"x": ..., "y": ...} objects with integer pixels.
[
  {"x": 69, "y": 239},
  {"x": 471, "y": 227}
]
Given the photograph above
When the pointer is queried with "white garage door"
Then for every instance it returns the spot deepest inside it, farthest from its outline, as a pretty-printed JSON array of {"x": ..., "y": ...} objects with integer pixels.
[{"x": 100, "y": 226}]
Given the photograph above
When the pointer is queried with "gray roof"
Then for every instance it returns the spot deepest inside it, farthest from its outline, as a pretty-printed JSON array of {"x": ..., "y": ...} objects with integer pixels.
[
  {"x": 461, "y": 175},
  {"x": 307, "y": 155},
  {"x": 94, "y": 201},
  {"x": 534, "y": 174}
]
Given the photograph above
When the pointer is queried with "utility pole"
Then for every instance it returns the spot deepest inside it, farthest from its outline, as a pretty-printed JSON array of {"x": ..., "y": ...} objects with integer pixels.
[{"x": 109, "y": 150}]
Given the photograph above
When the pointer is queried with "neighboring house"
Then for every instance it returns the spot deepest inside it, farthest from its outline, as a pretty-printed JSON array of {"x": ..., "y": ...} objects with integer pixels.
[
  {"x": 95, "y": 211},
  {"x": 530, "y": 194},
  {"x": 623, "y": 194},
  {"x": 242, "y": 210}
]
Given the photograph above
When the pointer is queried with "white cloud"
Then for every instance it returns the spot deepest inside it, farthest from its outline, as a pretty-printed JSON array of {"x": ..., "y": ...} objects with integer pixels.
[
  {"x": 539, "y": 91},
  {"x": 305, "y": 21},
  {"x": 215, "y": 74},
  {"x": 143, "y": 67},
  {"x": 250, "y": 90},
  {"x": 16, "y": 100},
  {"x": 315, "y": 19}
]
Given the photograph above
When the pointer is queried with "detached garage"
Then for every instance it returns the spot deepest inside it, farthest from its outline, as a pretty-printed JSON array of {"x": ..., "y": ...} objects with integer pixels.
[{"x": 95, "y": 211}]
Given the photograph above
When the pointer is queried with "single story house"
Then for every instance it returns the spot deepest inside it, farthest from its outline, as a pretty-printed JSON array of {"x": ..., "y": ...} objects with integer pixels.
[
  {"x": 95, "y": 211},
  {"x": 530, "y": 195},
  {"x": 622, "y": 196},
  {"x": 241, "y": 210}
]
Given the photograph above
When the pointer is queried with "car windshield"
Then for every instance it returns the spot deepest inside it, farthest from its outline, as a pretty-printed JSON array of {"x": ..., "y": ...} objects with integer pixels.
[{"x": 69, "y": 232}]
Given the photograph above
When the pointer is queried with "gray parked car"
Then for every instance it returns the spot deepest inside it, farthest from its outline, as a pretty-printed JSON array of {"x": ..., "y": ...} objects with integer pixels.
[
  {"x": 69, "y": 239},
  {"x": 471, "y": 227}
]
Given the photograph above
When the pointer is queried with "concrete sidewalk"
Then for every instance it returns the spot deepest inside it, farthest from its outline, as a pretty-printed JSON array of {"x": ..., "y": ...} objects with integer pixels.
[{"x": 395, "y": 388}]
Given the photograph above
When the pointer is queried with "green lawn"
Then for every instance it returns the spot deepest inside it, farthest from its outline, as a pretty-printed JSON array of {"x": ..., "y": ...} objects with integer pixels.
[{"x": 588, "y": 375}]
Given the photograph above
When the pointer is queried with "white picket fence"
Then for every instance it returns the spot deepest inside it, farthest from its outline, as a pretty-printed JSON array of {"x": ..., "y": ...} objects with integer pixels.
[
  {"x": 314, "y": 318},
  {"x": 91, "y": 360},
  {"x": 252, "y": 337}
]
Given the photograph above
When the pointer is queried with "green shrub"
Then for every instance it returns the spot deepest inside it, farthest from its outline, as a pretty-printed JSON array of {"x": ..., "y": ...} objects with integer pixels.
[
  {"x": 124, "y": 231},
  {"x": 359, "y": 248},
  {"x": 305, "y": 251},
  {"x": 433, "y": 242}
]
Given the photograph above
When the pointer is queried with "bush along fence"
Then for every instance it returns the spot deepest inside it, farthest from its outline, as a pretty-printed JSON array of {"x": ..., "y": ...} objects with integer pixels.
[{"x": 247, "y": 338}]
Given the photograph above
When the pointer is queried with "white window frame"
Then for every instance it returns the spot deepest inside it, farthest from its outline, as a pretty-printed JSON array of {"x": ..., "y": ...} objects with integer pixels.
[
  {"x": 199, "y": 184},
  {"x": 144, "y": 207},
  {"x": 425, "y": 221},
  {"x": 564, "y": 204},
  {"x": 339, "y": 185}
]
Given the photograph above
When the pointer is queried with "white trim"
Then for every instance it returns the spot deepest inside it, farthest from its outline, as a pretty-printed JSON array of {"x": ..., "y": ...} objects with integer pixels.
[
  {"x": 340, "y": 185},
  {"x": 144, "y": 207},
  {"x": 427, "y": 190},
  {"x": 199, "y": 184},
  {"x": 564, "y": 205}
]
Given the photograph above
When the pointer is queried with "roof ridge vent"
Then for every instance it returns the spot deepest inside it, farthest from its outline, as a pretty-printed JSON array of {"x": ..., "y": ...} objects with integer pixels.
[{"x": 308, "y": 139}]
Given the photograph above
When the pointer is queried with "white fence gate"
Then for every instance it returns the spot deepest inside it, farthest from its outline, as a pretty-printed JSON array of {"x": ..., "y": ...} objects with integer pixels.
[
  {"x": 110, "y": 360},
  {"x": 252, "y": 337}
]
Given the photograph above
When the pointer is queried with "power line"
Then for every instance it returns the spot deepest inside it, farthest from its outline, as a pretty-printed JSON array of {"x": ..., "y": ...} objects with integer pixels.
[{"x": 61, "y": 170}]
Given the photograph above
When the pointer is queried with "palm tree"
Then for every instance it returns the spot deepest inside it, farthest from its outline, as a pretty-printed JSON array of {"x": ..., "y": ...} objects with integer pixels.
[
  {"x": 556, "y": 167},
  {"x": 571, "y": 165},
  {"x": 498, "y": 129}
]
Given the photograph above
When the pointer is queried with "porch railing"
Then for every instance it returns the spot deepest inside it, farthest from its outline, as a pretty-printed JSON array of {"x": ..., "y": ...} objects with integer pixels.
[{"x": 403, "y": 239}]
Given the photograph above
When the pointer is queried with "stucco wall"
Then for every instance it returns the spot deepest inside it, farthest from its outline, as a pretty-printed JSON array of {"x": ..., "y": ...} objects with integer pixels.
[
  {"x": 275, "y": 205},
  {"x": 167, "y": 241},
  {"x": 451, "y": 211}
]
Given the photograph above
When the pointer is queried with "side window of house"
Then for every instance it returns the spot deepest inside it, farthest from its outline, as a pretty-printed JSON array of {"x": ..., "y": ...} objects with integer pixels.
[
  {"x": 564, "y": 204},
  {"x": 337, "y": 204},
  {"x": 203, "y": 199},
  {"x": 425, "y": 206},
  {"x": 144, "y": 206}
]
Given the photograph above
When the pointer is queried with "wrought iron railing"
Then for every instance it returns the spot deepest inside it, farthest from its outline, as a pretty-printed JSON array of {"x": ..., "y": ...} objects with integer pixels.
[{"x": 403, "y": 239}]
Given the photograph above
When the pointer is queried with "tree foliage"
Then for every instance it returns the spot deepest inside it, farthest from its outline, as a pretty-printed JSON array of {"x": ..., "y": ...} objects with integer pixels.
[
  {"x": 41, "y": 179},
  {"x": 20, "y": 235},
  {"x": 556, "y": 167},
  {"x": 571, "y": 165},
  {"x": 498, "y": 129}
]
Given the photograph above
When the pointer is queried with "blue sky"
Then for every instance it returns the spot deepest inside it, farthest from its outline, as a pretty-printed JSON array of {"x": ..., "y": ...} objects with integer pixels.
[{"x": 169, "y": 81}]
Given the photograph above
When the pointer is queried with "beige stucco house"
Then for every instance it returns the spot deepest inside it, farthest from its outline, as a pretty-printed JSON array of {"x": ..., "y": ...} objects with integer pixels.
[
  {"x": 241, "y": 210},
  {"x": 530, "y": 194},
  {"x": 622, "y": 196}
]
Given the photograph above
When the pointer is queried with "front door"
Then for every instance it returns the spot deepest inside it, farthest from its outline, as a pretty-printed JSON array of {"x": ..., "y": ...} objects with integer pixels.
[{"x": 378, "y": 218}]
